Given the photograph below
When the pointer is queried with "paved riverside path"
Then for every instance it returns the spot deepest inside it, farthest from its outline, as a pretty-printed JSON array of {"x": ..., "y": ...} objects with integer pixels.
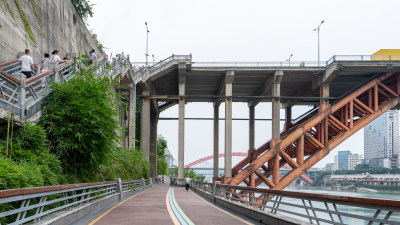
[{"x": 155, "y": 206}]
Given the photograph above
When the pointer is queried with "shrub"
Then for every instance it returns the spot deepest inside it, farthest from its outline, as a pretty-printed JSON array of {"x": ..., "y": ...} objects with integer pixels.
[
  {"x": 127, "y": 164},
  {"x": 79, "y": 116},
  {"x": 30, "y": 164}
]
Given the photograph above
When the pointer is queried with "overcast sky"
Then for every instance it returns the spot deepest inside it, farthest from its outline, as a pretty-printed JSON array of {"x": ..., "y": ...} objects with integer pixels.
[{"x": 233, "y": 30}]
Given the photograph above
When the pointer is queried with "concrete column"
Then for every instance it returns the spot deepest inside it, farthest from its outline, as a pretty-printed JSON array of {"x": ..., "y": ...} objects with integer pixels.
[
  {"x": 132, "y": 117},
  {"x": 145, "y": 125},
  {"x": 153, "y": 143},
  {"x": 276, "y": 136},
  {"x": 181, "y": 129},
  {"x": 251, "y": 141},
  {"x": 288, "y": 117},
  {"x": 228, "y": 124},
  {"x": 216, "y": 139},
  {"x": 324, "y": 103}
]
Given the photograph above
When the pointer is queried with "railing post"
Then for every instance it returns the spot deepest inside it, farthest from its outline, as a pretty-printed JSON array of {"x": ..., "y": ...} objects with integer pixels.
[
  {"x": 144, "y": 184},
  {"x": 22, "y": 93},
  {"x": 151, "y": 182},
  {"x": 54, "y": 66},
  {"x": 119, "y": 188},
  {"x": 214, "y": 191}
]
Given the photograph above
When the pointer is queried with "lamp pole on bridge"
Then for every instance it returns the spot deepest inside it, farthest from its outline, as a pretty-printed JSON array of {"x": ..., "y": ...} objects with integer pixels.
[
  {"x": 317, "y": 29},
  {"x": 147, "y": 43},
  {"x": 153, "y": 58},
  {"x": 289, "y": 59}
]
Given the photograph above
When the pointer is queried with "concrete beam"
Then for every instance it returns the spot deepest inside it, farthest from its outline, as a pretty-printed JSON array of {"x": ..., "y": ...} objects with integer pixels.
[
  {"x": 132, "y": 117},
  {"x": 181, "y": 129},
  {"x": 228, "y": 78},
  {"x": 228, "y": 124}
]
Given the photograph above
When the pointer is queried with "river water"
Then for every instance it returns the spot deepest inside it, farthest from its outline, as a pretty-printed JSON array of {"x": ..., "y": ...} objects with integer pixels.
[{"x": 353, "y": 210}]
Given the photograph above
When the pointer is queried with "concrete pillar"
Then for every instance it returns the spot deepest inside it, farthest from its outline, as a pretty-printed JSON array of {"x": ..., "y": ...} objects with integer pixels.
[
  {"x": 216, "y": 140},
  {"x": 276, "y": 136},
  {"x": 181, "y": 129},
  {"x": 145, "y": 125},
  {"x": 251, "y": 141},
  {"x": 132, "y": 117},
  {"x": 153, "y": 143},
  {"x": 324, "y": 103},
  {"x": 228, "y": 124},
  {"x": 288, "y": 117}
]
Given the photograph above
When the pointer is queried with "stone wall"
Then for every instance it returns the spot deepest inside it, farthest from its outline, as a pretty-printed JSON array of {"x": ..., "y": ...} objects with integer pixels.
[{"x": 62, "y": 29}]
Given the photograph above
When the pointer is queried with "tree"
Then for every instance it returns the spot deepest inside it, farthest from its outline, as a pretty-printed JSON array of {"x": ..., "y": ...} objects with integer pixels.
[
  {"x": 162, "y": 165},
  {"x": 84, "y": 8},
  {"x": 79, "y": 116}
]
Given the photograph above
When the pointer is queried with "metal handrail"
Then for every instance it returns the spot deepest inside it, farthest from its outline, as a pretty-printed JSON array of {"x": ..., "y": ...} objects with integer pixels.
[
  {"x": 40, "y": 201},
  {"x": 319, "y": 208}
]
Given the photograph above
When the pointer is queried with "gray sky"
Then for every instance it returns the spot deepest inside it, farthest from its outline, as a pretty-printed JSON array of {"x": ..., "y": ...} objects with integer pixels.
[{"x": 232, "y": 30}]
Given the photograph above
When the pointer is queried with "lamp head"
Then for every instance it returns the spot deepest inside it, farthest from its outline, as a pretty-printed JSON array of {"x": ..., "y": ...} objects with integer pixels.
[
  {"x": 145, "y": 23},
  {"x": 322, "y": 21}
]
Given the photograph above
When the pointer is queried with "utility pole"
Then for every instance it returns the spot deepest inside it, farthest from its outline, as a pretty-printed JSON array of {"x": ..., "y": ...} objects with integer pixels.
[
  {"x": 317, "y": 29},
  {"x": 147, "y": 43}
]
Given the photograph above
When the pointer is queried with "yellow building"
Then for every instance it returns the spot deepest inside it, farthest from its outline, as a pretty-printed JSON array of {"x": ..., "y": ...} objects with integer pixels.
[{"x": 386, "y": 54}]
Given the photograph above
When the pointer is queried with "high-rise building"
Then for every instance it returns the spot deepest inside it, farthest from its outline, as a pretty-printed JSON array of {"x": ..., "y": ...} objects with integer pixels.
[
  {"x": 381, "y": 137},
  {"x": 330, "y": 167},
  {"x": 344, "y": 160}
]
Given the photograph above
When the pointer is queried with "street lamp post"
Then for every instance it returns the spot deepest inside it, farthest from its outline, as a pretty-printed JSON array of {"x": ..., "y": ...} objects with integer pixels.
[
  {"x": 317, "y": 29},
  {"x": 147, "y": 43},
  {"x": 289, "y": 59},
  {"x": 153, "y": 58}
]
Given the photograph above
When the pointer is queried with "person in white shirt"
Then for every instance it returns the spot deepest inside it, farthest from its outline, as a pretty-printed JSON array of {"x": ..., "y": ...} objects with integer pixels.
[
  {"x": 56, "y": 58},
  {"x": 187, "y": 179},
  {"x": 27, "y": 64}
]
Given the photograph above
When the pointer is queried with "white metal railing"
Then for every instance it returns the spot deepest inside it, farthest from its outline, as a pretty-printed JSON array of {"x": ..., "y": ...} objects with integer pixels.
[
  {"x": 308, "y": 207},
  {"x": 18, "y": 94},
  {"x": 19, "y": 206},
  {"x": 143, "y": 73}
]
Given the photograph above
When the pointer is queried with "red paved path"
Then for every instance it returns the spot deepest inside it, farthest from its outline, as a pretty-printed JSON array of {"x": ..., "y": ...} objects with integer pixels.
[
  {"x": 150, "y": 208},
  {"x": 146, "y": 208}
]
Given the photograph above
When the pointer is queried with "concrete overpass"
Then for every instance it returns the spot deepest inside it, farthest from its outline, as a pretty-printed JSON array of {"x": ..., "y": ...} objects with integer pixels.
[{"x": 179, "y": 80}]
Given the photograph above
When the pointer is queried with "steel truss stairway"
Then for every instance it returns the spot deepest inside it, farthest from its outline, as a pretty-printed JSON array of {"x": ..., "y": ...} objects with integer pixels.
[{"x": 315, "y": 134}]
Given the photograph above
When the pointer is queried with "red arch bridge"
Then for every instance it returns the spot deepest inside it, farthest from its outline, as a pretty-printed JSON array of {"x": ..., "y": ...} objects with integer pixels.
[{"x": 287, "y": 167}]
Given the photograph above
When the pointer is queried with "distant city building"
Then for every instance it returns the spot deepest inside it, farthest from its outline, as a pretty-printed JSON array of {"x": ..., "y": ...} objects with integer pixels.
[
  {"x": 373, "y": 179},
  {"x": 378, "y": 163},
  {"x": 344, "y": 160},
  {"x": 330, "y": 167},
  {"x": 170, "y": 159},
  {"x": 381, "y": 138}
]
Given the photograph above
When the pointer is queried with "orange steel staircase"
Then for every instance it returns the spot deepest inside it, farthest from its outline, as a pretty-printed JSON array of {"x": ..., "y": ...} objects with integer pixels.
[{"x": 317, "y": 133}]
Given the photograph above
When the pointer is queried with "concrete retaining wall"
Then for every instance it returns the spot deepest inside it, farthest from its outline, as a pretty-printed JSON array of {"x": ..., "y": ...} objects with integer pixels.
[{"x": 63, "y": 29}]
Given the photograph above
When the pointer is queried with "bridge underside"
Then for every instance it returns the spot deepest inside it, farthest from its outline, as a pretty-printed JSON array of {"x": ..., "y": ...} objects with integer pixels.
[{"x": 346, "y": 96}]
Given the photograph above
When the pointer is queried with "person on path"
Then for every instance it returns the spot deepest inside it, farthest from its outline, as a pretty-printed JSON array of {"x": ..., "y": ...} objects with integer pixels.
[
  {"x": 45, "y": 61},
  {"x": 171, "y": 181},
  {"x": 27, "y": 64},
  {"x": 56, "y": 58},
  {"x": 187, "y": 179}
]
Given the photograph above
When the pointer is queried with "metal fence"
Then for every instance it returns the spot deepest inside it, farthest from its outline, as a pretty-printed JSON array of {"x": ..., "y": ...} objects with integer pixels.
[
  {"x": 308, "y": 207},
  {"x": 18, "y": 94},
  {"x": 23, "y": 205},
  {"x": 143, "y": 73}
]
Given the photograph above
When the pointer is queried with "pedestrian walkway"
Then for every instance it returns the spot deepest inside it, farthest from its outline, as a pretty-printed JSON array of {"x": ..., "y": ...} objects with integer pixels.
[{"x": 164, "y": 205}]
